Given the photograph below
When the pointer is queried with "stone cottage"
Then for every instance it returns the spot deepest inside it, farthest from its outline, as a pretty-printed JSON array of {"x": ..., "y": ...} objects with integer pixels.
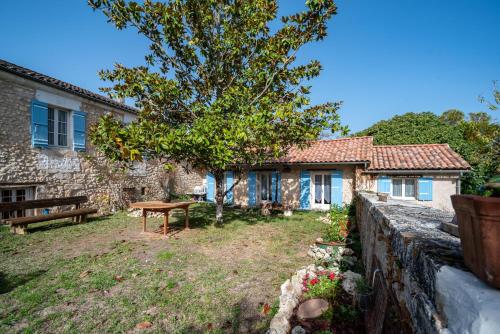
[
  {"x": 45, "y": 152},
  {"x": 330, "y": 171}
]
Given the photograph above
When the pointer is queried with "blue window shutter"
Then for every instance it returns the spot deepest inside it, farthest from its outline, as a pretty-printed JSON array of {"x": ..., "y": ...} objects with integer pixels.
[
  {"x": 252, "y": 188},
  {"x": 337, "y": 187},
  {"x": 229, "y": 184},
  {"x": 279, "y": 187},
  {"x": 305, "y": 189},
  {"x": 79, "y": 130},
  {"x": 425, "y": 189},
  {"x": 210, "y": 187},
  {"x": 383, "y": 184},
  {"x": 39, "y": 124}
]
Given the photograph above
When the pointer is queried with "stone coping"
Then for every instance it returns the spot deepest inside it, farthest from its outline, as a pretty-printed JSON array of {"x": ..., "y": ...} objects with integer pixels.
[{"x": 423, "y": 267}]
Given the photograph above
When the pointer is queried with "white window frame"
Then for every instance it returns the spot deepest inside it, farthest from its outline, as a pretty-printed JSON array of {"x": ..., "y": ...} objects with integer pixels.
[
  {"x": 320, "y": 206},
  {"x": 403, "y": 188},
  {"x": 28, "y": 195},
  {"x": 69, "y": 128}
]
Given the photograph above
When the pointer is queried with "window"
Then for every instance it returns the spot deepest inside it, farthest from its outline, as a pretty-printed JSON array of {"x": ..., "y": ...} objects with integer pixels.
[
  {"x": 322, "y": 190},
  {"x": 58, "y": 127},
  {"x": 403, "y": 188},
  {"x": 14, "y": 195},
  {"x": 266, "y": 187}
]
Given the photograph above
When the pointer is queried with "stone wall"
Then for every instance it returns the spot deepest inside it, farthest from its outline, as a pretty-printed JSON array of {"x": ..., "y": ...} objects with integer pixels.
[
  {"x": 417, "y": 271},
  {"x": 56, "y": 172}
]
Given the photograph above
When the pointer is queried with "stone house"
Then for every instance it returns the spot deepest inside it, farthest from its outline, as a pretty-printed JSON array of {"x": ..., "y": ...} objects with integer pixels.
[
  {"x": 330, "y": 171},
  {"x": 45, "y": 151}
]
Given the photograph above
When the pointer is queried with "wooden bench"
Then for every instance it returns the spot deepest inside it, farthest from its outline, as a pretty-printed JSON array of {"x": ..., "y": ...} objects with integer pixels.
[{"x": 19, "y": 225}]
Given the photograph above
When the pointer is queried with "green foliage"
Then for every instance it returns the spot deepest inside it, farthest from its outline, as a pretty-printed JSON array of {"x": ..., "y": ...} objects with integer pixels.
[
  {"x": 325, "y": 288},
  {"x": 362, "y": 286},
  {"x": 346, "y": 313},
  {"x": 476, "y": 138},
  {"x": 219, "y": 86},
  {"x": 337, "y": 229},
  {"x": 180, "y": 197}
]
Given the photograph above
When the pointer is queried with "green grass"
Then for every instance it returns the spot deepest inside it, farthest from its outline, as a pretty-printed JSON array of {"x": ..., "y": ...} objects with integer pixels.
[{"x": 105, "y": 276}]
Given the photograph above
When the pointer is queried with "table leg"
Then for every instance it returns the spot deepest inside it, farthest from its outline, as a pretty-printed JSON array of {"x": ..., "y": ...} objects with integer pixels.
[
  {"x": 165, "y": 222},
  {"x": 144, "y": 215},
  {"x": 187, "y": 217}
]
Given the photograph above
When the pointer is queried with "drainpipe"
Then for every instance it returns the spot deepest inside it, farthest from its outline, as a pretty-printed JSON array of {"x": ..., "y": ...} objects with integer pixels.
[
  {"x": 459, "y": 184},
  {"x": 375, "y": 274}
]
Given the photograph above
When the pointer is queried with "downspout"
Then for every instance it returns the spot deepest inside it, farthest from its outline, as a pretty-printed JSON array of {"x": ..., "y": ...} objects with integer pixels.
[{"x": 459, "y": 184}]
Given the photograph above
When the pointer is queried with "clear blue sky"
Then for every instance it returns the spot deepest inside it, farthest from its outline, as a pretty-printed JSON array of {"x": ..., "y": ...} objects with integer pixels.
[{"x": 381, "y": 57}]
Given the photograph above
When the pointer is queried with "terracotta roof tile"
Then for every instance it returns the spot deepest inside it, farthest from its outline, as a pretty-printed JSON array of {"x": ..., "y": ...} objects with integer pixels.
[
  {"x": 394, "y": 157},
  {"x": 356, "y": 149},
  {"x": 62, "y": 85},
  {"x": 417, "y": 157}
]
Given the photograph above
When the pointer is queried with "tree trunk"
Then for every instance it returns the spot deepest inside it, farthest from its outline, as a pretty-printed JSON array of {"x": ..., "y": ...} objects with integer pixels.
[{"x": 219, "y": 197}]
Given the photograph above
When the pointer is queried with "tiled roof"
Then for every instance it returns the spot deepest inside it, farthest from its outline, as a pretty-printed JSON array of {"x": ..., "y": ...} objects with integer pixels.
[
  {"x": 67, "y": 87},
  {"x": 356, "y": 149},
  {"x": 394, "y": 157},
  {"x": 417, "y": 157}
]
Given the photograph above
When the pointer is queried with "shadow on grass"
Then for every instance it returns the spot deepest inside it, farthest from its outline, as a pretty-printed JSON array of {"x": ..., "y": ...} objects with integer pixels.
[
  {"x": 56, "y": 224},
  {"x": 203, "y": 215},
  {"x": 237, "y": 322},
  {"x": 9, "y": 283}
]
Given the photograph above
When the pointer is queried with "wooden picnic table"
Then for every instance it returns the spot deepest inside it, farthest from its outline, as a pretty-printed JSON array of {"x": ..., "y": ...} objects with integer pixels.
[{"x": 159, "y": 206}]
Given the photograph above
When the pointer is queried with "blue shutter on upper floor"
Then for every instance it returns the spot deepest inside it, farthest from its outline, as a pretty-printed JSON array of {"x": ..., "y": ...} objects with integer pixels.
[
  {"x": 384, "y": 184},
  {"x": 337, "y": 187},
  {"x": 229, "y": 183},
  {"x": 425, "y": 189},
  {"x": 252, "y": 188},
  {"x": 305, "y": 189},
  {"x": 210, "y": 187},
  {"x": 39, "y": 124},
  {"x": 79, "y": 130}
]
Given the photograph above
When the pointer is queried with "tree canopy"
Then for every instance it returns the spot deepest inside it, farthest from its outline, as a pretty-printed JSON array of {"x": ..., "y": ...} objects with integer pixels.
[
  {"x": 473, "y": 137},
  {"x": 219, "y": 87}
]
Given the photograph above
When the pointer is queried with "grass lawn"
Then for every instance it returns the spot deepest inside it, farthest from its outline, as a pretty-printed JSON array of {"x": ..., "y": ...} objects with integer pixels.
[{"x": 106, "y": 277}]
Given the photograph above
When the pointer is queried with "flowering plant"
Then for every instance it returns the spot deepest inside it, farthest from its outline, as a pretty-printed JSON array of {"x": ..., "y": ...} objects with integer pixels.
[
  {"x": 323, "y": 285},
  {"x": 338, "y": 230}
]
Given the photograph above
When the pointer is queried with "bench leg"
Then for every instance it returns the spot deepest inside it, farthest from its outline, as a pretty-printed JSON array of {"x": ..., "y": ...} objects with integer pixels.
[
  {"x": 18, "y": 229},
  {"x": 186, "y": 219},
  {"x": 83, "y": 218}
]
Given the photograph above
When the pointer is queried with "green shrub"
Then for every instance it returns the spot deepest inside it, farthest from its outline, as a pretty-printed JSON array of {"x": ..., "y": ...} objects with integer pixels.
[
  {"x": 338, "y": 229},
  {"x": 324, "y": 285}
]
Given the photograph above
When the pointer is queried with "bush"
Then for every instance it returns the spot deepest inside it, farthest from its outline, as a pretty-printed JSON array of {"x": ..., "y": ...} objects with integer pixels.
[
  {"x": 337, "y": 231},
  {"x": 324, "y": 285}
]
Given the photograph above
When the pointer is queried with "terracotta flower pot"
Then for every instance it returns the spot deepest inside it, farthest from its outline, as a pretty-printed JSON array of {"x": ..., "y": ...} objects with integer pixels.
[{"x": 479, "y": 228}]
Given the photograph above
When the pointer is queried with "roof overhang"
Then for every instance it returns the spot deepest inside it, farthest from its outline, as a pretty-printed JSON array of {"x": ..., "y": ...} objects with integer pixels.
[{"x": 416, "y": 171}]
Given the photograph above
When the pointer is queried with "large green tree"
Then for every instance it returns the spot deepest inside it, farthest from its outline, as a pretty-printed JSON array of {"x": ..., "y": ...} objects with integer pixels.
[
  {"x": 219, "y": 87},
  {"x": 474, "y": 137}
]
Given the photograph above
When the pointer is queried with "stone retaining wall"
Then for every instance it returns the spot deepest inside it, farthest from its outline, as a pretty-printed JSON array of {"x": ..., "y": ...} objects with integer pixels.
[{"x": 420, "y": 282}]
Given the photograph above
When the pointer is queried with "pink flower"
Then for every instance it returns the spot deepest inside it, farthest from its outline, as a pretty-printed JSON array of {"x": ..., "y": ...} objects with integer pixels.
[{"x": 331, "y": 276}]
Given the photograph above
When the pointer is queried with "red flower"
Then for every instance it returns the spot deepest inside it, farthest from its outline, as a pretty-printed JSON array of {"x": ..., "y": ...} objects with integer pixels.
[
  {"x": 314, "y": 281},
  {"x": 306, "y": 277},
  {"x": 331, "y": 276}
]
